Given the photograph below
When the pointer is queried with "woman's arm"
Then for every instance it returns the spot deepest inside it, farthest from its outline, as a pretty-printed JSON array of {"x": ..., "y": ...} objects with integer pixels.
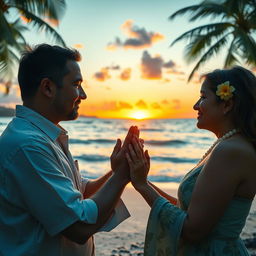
[{"x": 170, "y": 198}]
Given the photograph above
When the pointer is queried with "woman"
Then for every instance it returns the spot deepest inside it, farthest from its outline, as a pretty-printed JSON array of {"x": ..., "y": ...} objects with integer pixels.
[{"x": 215, "y": 197}]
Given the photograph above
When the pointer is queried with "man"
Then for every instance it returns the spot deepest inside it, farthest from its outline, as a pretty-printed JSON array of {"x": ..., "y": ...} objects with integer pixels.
[{"x": 47, "y": 209}]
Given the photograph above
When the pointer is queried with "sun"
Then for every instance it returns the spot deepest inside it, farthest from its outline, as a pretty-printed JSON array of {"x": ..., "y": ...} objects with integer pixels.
[{"x": 139, "y": 114}]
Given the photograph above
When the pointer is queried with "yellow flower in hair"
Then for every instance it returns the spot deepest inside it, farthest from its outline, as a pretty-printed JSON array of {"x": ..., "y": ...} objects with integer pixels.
[{"x": 225, "y": 91}]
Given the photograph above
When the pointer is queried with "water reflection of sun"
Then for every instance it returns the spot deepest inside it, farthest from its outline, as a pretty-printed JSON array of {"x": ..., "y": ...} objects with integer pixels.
[{"x": 139, "y": 115}]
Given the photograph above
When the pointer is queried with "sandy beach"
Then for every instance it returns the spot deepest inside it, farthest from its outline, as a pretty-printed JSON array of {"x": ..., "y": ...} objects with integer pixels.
[{"x": 128, "y": 237}]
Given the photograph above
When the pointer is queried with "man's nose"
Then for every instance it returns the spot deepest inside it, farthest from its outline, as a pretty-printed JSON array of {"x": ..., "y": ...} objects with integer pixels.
[{"x": 82, "y": 93}]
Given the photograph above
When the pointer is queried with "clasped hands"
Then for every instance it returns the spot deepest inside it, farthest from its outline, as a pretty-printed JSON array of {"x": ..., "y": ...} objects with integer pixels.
[{"x": 129, "y": 160}]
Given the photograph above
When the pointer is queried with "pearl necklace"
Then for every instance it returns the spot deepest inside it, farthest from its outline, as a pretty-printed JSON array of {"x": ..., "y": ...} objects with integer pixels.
[{"x": 225, "y": 136}]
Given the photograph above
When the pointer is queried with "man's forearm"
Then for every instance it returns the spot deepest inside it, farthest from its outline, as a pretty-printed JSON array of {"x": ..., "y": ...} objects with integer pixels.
[
  {"x": 106, "y": 199},
  {"x": 108, "y": 195}
]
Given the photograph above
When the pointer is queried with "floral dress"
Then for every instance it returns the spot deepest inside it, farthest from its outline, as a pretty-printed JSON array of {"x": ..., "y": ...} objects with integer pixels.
[{"x": 163, "y": 236}]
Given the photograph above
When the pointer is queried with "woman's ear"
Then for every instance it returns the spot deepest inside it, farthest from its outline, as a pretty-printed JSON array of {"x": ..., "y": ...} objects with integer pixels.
[
  {"x": 47, "y": 88},
  {"x": 228, "y": 106}
]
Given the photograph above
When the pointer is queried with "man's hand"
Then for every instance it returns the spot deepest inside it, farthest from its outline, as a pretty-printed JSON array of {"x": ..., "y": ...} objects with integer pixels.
[{"x": 118, "y": 159}]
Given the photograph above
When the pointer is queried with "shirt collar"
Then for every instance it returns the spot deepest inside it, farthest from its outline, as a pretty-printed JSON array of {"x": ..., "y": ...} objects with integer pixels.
[{"x": 50, "y": 129}]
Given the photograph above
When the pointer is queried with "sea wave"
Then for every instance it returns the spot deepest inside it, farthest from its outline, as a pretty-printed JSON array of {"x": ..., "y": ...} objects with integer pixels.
[
  {"x": 102, "y": 158},
  {"x": 91, "y": 141},
  {"x": 165, "y": 142},
  {"x": 165, "y": 178},
  {"x": 92, "y": 158},
  {"x": 174, "y": 159}
]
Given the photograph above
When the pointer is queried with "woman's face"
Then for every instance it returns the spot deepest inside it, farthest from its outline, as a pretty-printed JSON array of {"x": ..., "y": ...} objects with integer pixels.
[{"x": 210, "y": 111}]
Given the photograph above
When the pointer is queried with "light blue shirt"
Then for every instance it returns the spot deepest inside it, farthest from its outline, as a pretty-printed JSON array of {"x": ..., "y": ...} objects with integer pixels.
[{"x": 39, "y": 191}]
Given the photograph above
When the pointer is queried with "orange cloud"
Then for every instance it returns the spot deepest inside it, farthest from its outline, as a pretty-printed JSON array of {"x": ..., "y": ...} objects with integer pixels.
[
  {"x": 141, "y": 104},
  {"x": 137, "y": 37},
  {"x": 102, "y": 75},
  {"x": 78, "y": 46},
  {"x": 125, "y": 105},
  {"x": 126, "y": 74},
  {"x": 165, "y": 102},
  {"x": 176, "y": 104},
  {"x": 155, "y": 105}
]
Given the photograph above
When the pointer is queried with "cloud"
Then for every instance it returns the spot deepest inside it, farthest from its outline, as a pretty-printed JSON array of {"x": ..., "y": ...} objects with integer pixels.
[
  {"x": 175, "y": 72},
  {"x": 114, "y": 67},
  {"x": 137, "y": 37},
  {"x": 123, "y": 105},
  {"x": 141, "y": 104},
  {"x": 165, "y": 102},
  {"x": 151, "y": 67},
  {"x": 125, "y": 74},
  {"x": 166, "y": 80},
  {"x": 176, "y": 104},
  {"x": 102, "y": 75},
  {"x": 110, "y": 106},
  {"x": 155, "y": 105},
  {"x": 169, "y": 64},
  {"x": 78, "y": 46}
]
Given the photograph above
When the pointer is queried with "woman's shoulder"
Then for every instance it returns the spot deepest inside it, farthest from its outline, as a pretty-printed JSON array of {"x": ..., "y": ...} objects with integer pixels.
[
  {"x": 236, "y": 153},
  {"x": 236, "y": 145}
]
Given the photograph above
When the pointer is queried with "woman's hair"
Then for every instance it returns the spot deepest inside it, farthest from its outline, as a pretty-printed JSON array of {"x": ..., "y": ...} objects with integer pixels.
[{"x": 244, "y": 97}]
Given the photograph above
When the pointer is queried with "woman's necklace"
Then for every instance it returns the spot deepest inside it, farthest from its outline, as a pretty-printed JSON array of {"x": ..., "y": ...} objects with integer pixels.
[{"x": 225, "y": 136}]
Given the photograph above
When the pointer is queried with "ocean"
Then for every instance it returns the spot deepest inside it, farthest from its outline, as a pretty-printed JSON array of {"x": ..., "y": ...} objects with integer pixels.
[{"x": 174, "y": 145}]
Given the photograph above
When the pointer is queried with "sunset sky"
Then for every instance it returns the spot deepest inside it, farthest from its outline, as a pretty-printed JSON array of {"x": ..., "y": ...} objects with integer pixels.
[{"x": 128, "y": 67}]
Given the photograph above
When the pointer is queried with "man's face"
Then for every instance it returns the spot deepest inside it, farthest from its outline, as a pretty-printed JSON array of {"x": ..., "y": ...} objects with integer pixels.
[{"x": 69, "y": 95}]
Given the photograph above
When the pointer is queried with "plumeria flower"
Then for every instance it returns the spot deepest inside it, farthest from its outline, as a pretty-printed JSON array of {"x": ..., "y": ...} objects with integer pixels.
[{"x": 225, "y": 91}]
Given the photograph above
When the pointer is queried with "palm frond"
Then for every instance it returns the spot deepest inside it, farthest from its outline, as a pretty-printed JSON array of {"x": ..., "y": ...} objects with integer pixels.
[
  {"x": 210, "y": 9},
  {"x": 247, "y": 45},
  {"x": 8, "y": 59},
  {"x": 219, "y": 28},
  {"x": 199, "y": 43},
  {"x": 214, "y": 49},
  {"x": 53, "y": 9},
  {"x": 42, "y": 25},
  {"x": 230, "y": 58},
  {"x": 189, "y": 9},
  {"x": 202, "y": 10}
]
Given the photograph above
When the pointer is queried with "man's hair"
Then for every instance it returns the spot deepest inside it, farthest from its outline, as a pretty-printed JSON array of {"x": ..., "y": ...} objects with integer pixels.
[{"x": 44, "y": 61}]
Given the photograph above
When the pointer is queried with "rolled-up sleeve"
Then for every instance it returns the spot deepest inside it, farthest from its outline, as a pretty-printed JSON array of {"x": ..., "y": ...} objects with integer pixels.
[{"x": 46, "y": 193}]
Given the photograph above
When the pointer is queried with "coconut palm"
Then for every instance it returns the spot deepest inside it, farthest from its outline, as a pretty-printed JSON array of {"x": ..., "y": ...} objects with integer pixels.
[
  {"x": 234, "y": 31},
  {"x": 16, "y": 16}
]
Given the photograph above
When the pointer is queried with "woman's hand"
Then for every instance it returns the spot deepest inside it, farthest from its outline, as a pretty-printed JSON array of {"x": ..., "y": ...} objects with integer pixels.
[
  {"x": 139, "y": 163},
  {"x": 118, "y": 159}
]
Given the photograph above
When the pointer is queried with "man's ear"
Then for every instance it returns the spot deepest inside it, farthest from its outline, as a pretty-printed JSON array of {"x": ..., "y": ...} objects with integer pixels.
[
  {"x": 47, "y": 88},
  {"x": 228, "y": 106}
]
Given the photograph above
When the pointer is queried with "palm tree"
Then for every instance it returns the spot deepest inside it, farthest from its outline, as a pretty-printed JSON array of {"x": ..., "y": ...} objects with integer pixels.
[
  {"x": 234, "y": 31},
  {"x": 14, "y": 14}
]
